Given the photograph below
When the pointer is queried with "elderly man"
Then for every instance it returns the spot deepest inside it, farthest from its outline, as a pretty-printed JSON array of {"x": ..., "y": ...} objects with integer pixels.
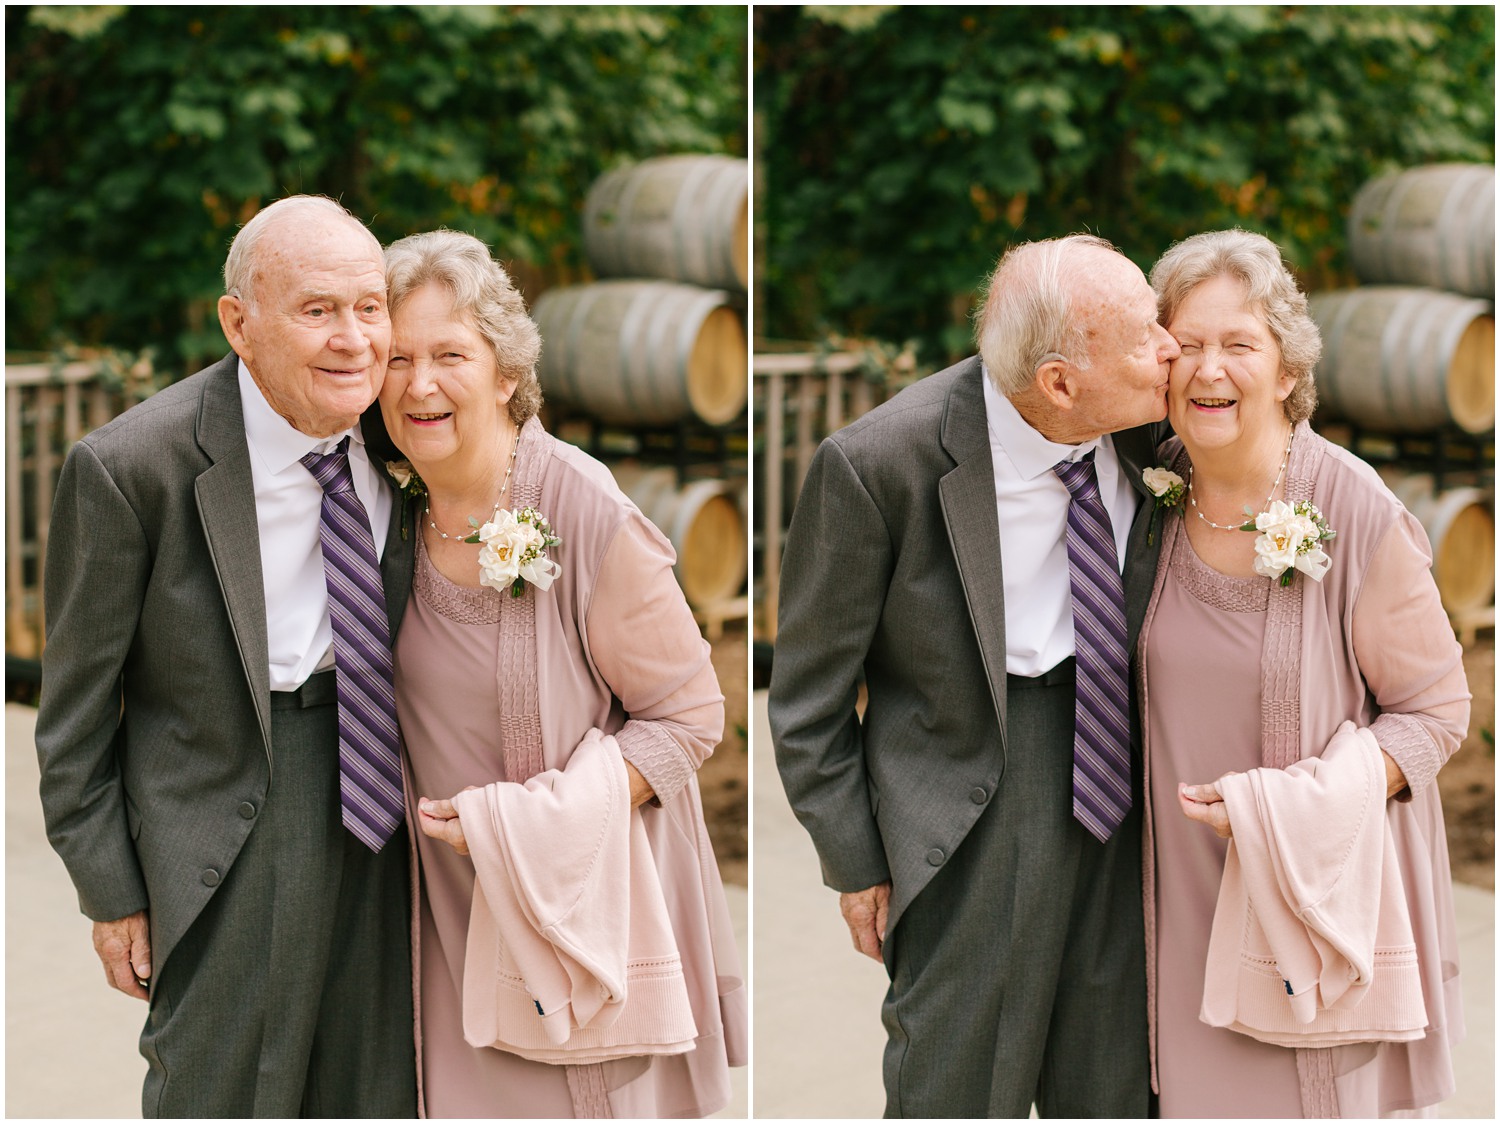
[
  {"x": 217, "y": 736},
  {"x": 981, "y": 820}
]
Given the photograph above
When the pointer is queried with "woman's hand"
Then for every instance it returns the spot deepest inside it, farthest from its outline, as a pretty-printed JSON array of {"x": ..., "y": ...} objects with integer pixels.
[
  {"x": 1203, "y": 802},
  {"x": 640, "y": 787},
  {"x": 1395, "y": 779},
  {"x": 438, "y": 819}
]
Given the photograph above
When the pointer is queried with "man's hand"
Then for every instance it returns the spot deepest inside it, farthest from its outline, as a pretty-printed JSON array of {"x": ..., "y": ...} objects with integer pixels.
[
  {"x": 124, "y": 947},
  {"x": 865, "y": 912}
]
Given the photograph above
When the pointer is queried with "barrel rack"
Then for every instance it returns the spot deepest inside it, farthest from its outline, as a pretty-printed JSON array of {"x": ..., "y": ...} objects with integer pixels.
[{"x": 1451, "y": 455}]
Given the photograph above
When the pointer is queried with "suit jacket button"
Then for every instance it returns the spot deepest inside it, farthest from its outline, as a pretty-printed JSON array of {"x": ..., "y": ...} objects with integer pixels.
[
  {"x": 936, "y": 856},
  {"x": 247, "y": 811},
  {"x": 979, "y": 795},
  {"x": 210, "y": 877}
]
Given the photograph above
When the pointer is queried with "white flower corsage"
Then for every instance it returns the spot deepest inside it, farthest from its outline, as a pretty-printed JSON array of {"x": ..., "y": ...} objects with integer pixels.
[
  {"x": 1167, "y": 487},
  {"x": 514, "y": 550},
  {"x": 408, "y": 483},
  {"x": 1291, "y": 539}
]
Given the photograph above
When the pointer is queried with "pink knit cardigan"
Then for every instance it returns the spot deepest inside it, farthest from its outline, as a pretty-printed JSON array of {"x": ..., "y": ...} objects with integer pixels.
[
  {"x": 613, "y": 645},
  {"x": 1370, "y": 644}
]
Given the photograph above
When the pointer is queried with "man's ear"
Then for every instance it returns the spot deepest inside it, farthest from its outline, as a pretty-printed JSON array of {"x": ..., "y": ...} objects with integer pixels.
[
  {"x": 1055, "y": 380},
  {"x": 232, "y": 321}
]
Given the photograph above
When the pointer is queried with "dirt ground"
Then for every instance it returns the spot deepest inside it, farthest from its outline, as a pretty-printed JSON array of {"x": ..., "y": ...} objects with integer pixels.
[
  {"x": 1467, "y": 782},
  {"x": 724, "y": 776}
]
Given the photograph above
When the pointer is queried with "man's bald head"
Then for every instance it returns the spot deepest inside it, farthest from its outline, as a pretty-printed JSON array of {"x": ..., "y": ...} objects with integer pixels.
[
  {"x": 1068, "y": 332},
  {"x": 306, "y": 212}
]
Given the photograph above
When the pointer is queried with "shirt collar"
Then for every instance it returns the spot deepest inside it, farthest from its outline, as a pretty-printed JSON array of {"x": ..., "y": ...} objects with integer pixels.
[
  {"x": 278, "y": 442},
  {"x": 1031, "y": 453}
]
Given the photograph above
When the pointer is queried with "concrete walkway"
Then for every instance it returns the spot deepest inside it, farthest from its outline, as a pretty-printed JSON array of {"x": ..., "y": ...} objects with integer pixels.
[
  {"x": 818, "y": 1038},
  {"x": 70, "y": 1041}
]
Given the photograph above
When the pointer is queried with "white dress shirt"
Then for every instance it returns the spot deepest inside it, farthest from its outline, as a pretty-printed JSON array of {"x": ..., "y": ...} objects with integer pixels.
[
  {"x": 1032, "y": 504},
  {"x": 289, "y": 509}
]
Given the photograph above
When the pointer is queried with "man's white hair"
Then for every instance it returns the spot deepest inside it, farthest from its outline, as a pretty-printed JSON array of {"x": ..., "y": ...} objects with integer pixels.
[{"x": 1027, "y": 318}]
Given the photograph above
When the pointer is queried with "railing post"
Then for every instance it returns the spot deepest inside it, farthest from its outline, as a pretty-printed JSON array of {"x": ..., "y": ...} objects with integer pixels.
[
  {"x": 771, "y": 537},
  {"x": 45, "y": 458},
  {"x": 20, "y": 637},
  {"x": 803, "y": 451},
  {"x": 72, "y": 415}
]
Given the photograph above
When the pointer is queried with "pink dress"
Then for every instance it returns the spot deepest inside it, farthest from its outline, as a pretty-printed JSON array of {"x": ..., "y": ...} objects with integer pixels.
[
  {"x": 614, "y": 647},
  {"x": 1210, "y": 692}
]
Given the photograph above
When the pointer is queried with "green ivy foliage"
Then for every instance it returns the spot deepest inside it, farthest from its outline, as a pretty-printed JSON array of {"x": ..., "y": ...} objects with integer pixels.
[
  {"x": 902, "y": 148},
  {"x": 139, "y": 139}
]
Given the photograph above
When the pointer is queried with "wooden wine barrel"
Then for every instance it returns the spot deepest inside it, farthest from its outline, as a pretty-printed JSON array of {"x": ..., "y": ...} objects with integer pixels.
[
  {"x": 647, "y": 352},
  {"x": 703, "y": 523},
  {"x": 1460, "y": 525},
  {"x": 683, "y": 218},
  {"x": 1404, "y": 360},
  {"x": 1432, "y": 225}
]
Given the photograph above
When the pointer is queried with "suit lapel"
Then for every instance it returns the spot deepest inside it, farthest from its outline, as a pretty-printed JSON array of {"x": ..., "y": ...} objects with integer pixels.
[
  {"x": 399, "y": 554},
  {"x": 226, "y": 505},
  {"x": 967, "y": 496},
  {"x": 1136, "y": 450},
  {"x": 396, "y": 561}
]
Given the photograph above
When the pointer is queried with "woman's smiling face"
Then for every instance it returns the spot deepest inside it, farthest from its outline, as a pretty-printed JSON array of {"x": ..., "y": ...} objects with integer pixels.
[
  {"x": 443, "y": 394},
  {"x": 1228, "y": 384}
]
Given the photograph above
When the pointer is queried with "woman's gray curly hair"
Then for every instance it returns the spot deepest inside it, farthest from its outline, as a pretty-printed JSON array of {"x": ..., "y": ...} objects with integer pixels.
[
  {"x": 483, "y": 293},
  {"x": 1269, "y": 286}
]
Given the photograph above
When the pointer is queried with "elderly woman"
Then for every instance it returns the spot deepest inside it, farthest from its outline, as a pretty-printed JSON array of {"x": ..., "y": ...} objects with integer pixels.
[
  {"x": 1257, "y": 650},
  {"x": 546, "y": 642}
]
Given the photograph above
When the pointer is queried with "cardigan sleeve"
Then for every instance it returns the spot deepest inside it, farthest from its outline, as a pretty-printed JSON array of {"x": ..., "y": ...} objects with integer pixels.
[
  {"x": 1409, "y": 657},
  {"x": 646, "y": 645}
]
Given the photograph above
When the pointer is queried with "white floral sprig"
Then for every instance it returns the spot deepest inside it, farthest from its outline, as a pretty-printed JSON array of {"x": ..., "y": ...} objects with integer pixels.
[
  {"x": 514, "y": 550},
  {"x": 1291, "y": 538},
  {"x": 408, "y": 483},
  {"x": 1167, "y": 487}
]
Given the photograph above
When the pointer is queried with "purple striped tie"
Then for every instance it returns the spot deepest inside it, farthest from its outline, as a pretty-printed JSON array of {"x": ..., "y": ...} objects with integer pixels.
[
  {"x": 369, "y": 757},
  {"x": 1101, "y": 724}
]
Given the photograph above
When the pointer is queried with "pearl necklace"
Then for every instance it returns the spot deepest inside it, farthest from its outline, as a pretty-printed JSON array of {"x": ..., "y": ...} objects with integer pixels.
[
  {"x": 1192, "y": 499},
  {"x": 509, "y": 467}
]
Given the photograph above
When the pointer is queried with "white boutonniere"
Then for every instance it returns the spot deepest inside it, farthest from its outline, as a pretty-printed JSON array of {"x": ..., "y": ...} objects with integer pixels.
[
  {"x": 408, "y": 484},
  {"x": 1167, "y": 487},
  {"x": 1291, "y": 539},
  {"x": 514, "y": 550}
]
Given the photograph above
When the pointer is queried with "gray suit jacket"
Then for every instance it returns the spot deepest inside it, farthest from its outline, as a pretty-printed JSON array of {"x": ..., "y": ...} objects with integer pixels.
[
  {"x": 892, "y": 568},
  {"x": 154, "y": 731}
]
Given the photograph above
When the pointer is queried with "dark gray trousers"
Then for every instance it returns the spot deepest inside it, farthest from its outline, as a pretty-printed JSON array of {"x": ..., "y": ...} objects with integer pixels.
[
  {"x": 290, "y": 994},
  {"x": 1018, "y": 975}
]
